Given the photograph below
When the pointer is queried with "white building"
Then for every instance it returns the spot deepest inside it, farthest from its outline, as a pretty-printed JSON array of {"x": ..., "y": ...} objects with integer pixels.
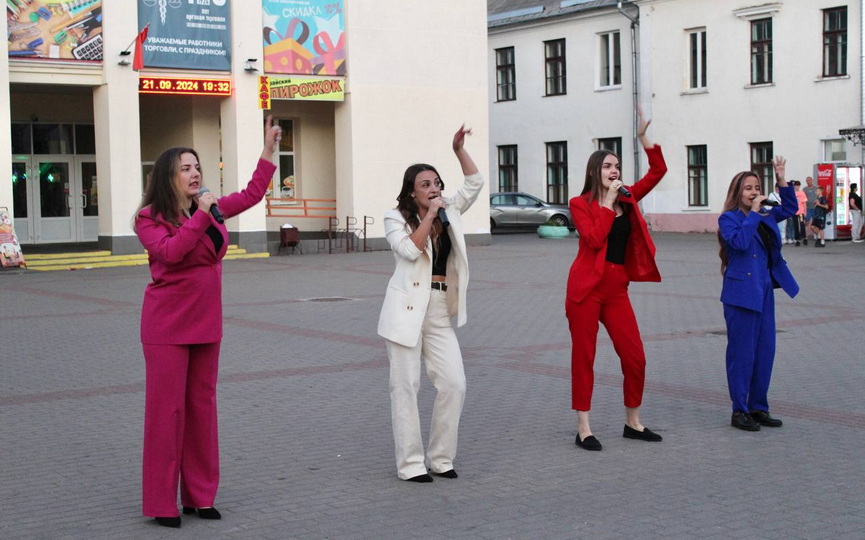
[
  {"x": 83, "y": 133},
  {"x": 728, "y": 84}
]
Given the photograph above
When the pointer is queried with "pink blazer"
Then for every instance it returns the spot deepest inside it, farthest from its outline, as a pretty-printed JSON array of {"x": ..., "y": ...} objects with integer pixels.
[{"x": 183, "y": 302}]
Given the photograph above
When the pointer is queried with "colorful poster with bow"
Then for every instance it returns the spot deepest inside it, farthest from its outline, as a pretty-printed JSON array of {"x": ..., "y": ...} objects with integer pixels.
[{"x": 304, "y": 37}]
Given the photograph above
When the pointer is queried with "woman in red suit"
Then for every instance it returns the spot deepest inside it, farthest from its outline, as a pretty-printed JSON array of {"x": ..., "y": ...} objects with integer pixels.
[
  {"x": 615, "y": 249},
  {"x": 181, "y": 328}
]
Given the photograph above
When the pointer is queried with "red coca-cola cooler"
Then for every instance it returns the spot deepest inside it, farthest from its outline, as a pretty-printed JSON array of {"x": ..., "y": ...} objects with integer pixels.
[{"x": 835, "y": 179}]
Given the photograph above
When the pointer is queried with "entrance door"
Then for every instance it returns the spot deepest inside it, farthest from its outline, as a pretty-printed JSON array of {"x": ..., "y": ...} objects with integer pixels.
[{"x": 65, "y": 199}]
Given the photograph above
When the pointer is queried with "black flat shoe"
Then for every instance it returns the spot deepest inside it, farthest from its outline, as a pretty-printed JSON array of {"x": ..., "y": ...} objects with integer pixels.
[
  {"x": 591, "y": 443},
  {"x": 173, "y": 522},
  {"x": 765, "y": 419},
  {"x": 421, "y": 478},
  {"x": 744, "y": 422},
  {"x": 203, "y": 513},
  {"x": 447, "y": 474},
  {"x": 645, "y": 435}
]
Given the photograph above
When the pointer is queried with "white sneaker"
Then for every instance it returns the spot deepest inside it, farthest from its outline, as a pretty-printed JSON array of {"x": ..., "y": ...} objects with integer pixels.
[{"x": 858, "y": 240}]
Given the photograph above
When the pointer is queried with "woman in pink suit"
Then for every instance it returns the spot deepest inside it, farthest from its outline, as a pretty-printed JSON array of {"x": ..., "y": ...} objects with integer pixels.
[
  {"x": 615, "y": 249},
  {"x": 181, "y": 327}
]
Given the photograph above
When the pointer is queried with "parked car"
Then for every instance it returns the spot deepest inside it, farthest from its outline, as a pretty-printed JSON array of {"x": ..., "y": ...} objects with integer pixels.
[{"x": 524, "y": 211}]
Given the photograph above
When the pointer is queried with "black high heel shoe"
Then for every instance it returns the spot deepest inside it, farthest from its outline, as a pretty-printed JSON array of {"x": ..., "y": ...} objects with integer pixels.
[
  {"x": 173, "y": 522},
  {"x": 203, "y": 513}
]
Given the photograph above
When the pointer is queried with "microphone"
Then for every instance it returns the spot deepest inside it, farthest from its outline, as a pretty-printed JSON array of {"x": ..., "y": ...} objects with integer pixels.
[
  {"x": 214, "y": 210},
  {"x": 770, "y": 202},
  {"x": 624, "y": 191},
  {"x": 443, "y": 217}
]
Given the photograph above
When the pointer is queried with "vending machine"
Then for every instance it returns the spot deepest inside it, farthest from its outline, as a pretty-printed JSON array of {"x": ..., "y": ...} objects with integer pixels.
[{"x": 835, "y": 179}]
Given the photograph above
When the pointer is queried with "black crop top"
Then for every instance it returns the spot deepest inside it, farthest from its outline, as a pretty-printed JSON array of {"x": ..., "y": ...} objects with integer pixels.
[
  {"x": 440, "y": 255},
  {"x": 618, "y": 239}
]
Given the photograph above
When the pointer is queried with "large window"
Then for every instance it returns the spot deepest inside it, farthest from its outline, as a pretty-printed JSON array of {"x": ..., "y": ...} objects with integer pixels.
[
  {"x": 288, "y": 188},
  {"x": 611, "y": 60},
  {"x": 761, "y": 51},
  {"x": 613, "y": 144},
  {"x": 835, "y": 150},
  {"x": 557, "y": 172},
  {"x": 761, "y": 164},
  {"x": 506, "y": 79},
  {"x": 698, "y": 177},
  {"x": 835, "y": 42},
  {"x": 554, "y": 55},
  {"x": 697, "y": 59},
  {"x": 508, "y": 168}
]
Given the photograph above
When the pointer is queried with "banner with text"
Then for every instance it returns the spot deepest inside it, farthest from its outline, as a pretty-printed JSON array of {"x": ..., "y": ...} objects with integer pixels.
[
  {"x": 304, "y": 37},
  {"x": 303, "y": 88},
  {"x": 187, "y": 35}
]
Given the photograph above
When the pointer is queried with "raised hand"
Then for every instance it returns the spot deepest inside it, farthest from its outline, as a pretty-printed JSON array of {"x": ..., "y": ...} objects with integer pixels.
[
  {"x": 460, "y": 137},
  {"x": 780, "y": 165}
]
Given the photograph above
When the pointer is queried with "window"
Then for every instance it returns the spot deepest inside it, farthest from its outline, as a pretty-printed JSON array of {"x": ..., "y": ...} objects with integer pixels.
[
  {"x": 835, "y": 42},
  {"x": 613, "y": 144},
  {"x": 698, "y": 179},
  {"x": 508, "y": 168},
  {"x": 761, "y": 51},
  {"x": 761, "y": 164},
  {"x": 506, "y": 82},
  {"x": 697, "y": 55},
  {"x": 557, "y": 172},
  {"x": 835, "y": 150},
  {"x": 288, "y": 188},
  {"x": 611, "y": 60},
  {"x": 554, "y": 53}
]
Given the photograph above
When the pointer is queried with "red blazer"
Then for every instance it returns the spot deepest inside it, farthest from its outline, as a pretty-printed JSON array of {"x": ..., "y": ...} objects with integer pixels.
[
  {"x": 593, "y": 223},
  {"x": 183, "y": 302}
]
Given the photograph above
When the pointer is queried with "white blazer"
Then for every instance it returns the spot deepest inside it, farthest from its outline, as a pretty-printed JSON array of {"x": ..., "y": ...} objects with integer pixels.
[{"x": 408, "y": 292}]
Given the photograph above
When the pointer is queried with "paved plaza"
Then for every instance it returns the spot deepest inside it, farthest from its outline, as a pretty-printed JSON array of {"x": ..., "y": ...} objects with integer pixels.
[{"x": 306, "y": 444}]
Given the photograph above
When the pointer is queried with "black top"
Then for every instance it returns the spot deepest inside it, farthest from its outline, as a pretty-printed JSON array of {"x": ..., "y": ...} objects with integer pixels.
[
  {"x": 857, "y": 198},
  {"x": 618, "y": 239},
  {"x": 440, "y": 255},
  {"x": 212, "y": 232},
  {"x": 766, "y": 236}
]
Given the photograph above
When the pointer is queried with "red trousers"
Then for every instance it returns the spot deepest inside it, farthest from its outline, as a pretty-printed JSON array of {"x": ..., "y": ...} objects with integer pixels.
[
  {"x": 180, "y": 428},
  {"x": 608, "y": 303}
]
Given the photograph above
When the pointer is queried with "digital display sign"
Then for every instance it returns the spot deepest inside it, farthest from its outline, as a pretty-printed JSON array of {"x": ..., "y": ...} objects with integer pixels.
[{"x": 189, "y": 86}]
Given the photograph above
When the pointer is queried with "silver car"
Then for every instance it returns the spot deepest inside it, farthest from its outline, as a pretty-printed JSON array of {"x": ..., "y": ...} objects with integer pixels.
[{"x": 521, "y": 210}]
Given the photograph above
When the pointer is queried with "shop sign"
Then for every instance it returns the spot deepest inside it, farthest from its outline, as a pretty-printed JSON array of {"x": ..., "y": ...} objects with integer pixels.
[
  {"x": 187, "y": 35},
  {"x": 306, "y": 88}
]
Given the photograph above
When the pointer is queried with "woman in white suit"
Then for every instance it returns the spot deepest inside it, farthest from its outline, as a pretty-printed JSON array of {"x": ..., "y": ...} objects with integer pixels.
[{"x": 428, "y": 287}]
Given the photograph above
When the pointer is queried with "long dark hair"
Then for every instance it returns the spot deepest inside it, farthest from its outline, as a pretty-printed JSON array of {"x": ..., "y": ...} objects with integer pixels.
[
  {"x": 594, "y": 166},
  {"x": 406, "y": 204},
  {"x": 162, "y": 194},
  {"x": 734, "y": 195}
]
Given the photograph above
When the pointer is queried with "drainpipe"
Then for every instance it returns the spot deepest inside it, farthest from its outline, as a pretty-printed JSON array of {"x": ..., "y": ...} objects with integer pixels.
[{"x": 635, "y": 22}]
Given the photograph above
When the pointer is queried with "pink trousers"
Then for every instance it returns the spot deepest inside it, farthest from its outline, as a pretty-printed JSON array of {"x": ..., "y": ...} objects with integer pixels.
[{"x": 180, "y": 431}]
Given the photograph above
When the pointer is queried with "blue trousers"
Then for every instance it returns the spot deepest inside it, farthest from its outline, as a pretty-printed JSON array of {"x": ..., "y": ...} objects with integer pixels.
[{"x": 750, "y": 353}]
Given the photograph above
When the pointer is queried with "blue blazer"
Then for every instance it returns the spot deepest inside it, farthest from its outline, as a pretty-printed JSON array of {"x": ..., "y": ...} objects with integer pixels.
[{"x": 748, "y": 259}]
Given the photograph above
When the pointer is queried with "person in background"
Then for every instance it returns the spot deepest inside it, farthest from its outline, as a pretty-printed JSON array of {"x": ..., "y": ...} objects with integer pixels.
[
  {"x": 799, "y": 218},
  {"x": 752, "y": 266},
  {"x": 810, "y": 191},
  {"x": 427, "y": 288},
  {"x": 615, "y": 249},
  {"x": 818, "y": 221},
  {"x": 181, "y": 327},
  {"x": 855, "y": 201}
]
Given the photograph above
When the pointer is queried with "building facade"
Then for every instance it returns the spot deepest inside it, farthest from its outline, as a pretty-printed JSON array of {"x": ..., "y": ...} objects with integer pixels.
[
  {"x": 362, "y": 88},
  {"x": 728, "y": 85}
]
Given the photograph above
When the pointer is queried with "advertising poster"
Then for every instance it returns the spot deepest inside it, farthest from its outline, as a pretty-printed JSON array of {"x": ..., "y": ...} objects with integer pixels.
[
  {"x": 55, "y": 30},
  {"x": 304, "y": 37},
  {"x": 186, "y": 35},
  {"x": 10, "y": 249}
]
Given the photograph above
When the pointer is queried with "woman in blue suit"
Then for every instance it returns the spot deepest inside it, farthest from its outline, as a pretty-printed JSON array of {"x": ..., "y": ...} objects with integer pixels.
[{"x": 753, "y": 267}]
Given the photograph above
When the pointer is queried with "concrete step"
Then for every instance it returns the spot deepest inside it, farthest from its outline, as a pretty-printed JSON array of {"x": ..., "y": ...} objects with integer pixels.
[{"x": 104, "y": 259}]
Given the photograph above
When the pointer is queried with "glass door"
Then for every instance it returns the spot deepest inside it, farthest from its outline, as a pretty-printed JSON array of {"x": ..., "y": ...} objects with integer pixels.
[
  {"x": 54, "y": 200},
  {"x": 86, "y": 206},
  {"x": 21, "y": 201}
]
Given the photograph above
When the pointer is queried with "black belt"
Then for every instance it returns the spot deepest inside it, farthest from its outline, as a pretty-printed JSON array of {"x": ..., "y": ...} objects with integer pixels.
[{"x": 439, "y": 285}]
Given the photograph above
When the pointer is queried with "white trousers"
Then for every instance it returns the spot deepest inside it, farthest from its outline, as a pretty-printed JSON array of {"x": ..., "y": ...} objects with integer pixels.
[
  {"x": 444, "y": 366},
  {"x": 856, "y": 217}
]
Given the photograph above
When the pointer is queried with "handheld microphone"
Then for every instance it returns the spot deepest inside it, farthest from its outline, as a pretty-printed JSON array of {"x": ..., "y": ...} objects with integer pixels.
[
  {"x": 214, "y": 210},
  {"x": 624, "y": 191},
  {"x": 770, "y": 203},
  {"x": 443, "y": 217}
]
